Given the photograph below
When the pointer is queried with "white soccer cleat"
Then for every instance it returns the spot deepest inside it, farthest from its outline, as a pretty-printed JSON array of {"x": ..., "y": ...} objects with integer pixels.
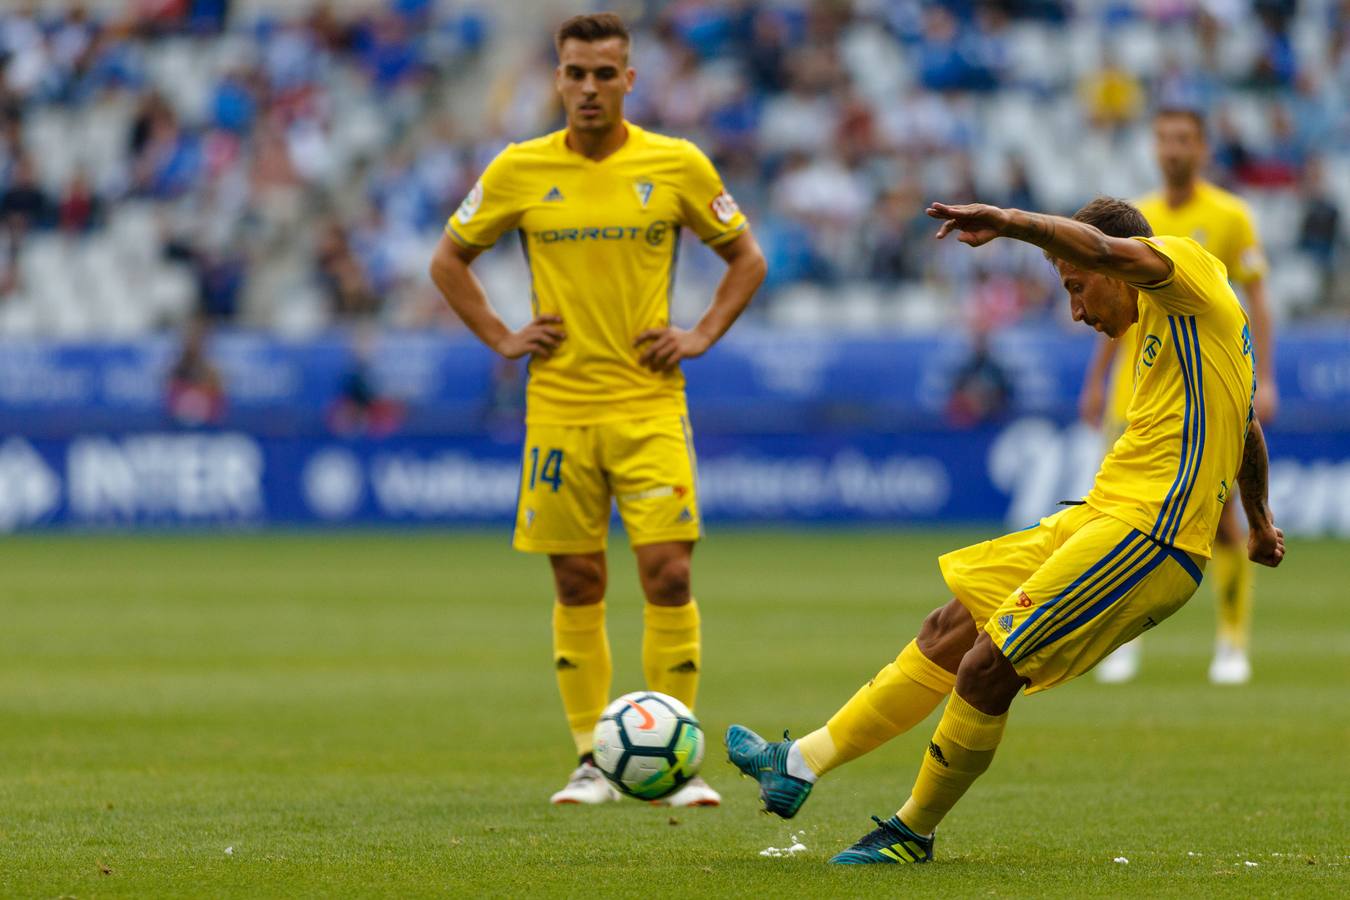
[
  {"x": 586, "y": 785},
  {"x": 696, "y": 792},
  {"x": 1230, "y": 665},
  {"x": 1121, "y": 666}
]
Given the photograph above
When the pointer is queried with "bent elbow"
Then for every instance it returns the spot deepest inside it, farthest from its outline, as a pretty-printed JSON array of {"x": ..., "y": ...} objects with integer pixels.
[{"x": 761, "y": 269}]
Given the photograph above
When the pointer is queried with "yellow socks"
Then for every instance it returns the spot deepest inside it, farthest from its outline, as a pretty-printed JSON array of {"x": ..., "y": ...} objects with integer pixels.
[
  {"x": 961, "y": 749},
  {"x": 1233, "y": 587},
  {"x": 581, "y": 658},
  {"x": 672, "y": 651},
  {"x": 898, "y": 698}
]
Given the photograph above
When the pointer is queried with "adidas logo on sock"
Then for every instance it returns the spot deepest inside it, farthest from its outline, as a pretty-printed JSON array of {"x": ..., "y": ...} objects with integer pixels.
[
  {"x": 936, "y": 752},
  {"x": 688, "y": 666},
  {"x": 553, "y": 196},
  {"x": 565, "y": 663}
]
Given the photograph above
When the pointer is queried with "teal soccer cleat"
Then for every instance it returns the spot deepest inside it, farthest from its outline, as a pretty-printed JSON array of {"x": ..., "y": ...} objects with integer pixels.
[
  {"x": 891, "y": 842},
  {"x": 783, "y": 794}
]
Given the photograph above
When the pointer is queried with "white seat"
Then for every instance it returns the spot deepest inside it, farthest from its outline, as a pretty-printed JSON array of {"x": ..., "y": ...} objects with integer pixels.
[{"x": 1296, "y": 285}]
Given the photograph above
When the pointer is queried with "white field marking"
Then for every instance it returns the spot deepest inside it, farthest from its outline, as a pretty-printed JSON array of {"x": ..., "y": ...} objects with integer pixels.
[
  {"x": 229, "y": 851},
  {"x": 1248, "y": 862},
  {"x": 1122, "y": 860}
]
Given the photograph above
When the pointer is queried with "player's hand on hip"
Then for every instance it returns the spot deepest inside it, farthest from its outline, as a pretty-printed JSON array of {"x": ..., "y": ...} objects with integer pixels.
[
  {"x": 1266, "y": 545},
  {"x": 975, "y": 223},
  {"x": 540, "y": 337},
  {"x": 666, "y": 347},
  {"x": 1267, "y": 400}
]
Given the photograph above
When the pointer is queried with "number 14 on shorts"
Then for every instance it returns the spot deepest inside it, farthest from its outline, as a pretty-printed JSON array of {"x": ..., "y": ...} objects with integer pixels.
[{"x": 550, "y": 472}]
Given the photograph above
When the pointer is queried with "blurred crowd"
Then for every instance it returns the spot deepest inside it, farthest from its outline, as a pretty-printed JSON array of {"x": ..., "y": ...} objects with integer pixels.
[{"x": 166, "y": 160}]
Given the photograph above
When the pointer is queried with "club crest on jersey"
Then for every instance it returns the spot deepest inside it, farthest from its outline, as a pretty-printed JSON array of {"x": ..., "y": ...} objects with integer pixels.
[
  {"x": 1149, "y": 355},
  {"x": 470, "y": 205},
  {"x": 554, "y": 195},
  {"x": 643, "y": 189}
]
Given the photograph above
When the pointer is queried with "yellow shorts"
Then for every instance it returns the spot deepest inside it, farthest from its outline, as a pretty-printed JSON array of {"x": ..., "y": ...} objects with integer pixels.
[
  {"x": 569, "y": 474},
  {"x": 1059, "y": 596}
]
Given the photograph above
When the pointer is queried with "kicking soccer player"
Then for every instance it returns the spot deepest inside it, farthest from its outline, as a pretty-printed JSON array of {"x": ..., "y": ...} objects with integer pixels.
[
  {"x": 599, "y": 207},
  {"x": 1220, "y": 222},
  {"x": 1039, "y": 607}
]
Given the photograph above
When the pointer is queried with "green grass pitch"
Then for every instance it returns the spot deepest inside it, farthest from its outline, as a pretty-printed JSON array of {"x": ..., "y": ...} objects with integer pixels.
[{"x": 375, "y": 715}]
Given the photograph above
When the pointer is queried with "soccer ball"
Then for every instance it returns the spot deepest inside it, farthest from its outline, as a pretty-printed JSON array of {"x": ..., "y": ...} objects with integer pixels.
[{"x": 648, "y": 744}]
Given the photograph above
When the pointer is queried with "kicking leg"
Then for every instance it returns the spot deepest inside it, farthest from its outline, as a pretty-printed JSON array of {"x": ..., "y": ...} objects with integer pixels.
[
  {"x": 960, "y": 751},
  {"x": 901, "y": 695}
]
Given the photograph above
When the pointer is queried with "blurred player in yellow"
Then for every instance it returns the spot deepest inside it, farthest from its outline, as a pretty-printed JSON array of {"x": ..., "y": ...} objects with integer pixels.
[
  {"x": 1191, "y": 207},
  {"x": 599, "y": 207},
  {"x": 1038, "y": 607}
]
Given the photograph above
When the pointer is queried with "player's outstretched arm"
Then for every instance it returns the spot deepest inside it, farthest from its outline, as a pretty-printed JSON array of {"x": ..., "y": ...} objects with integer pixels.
[
  {"x": 1265, "y": 544},
  {"x": 746, "y": 268},
  {"x": 464, "y": 292},
  {"x": 1077, "y": 243}
]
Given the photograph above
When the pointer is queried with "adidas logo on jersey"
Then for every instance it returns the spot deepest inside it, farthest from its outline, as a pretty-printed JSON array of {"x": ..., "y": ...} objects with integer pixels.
[{"x": 554, "y": 195}]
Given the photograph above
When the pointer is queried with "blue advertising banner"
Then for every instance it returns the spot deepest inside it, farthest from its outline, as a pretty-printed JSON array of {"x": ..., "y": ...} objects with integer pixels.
[
  {"x": 1012, "y": 473},
  {"x": 754, "y": 381}
]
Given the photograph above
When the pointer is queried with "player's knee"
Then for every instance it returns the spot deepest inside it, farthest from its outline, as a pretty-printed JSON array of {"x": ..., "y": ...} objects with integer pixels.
[
  {"x": 986, "y": 679},
  {"x": 667, "y": 582},
  {"x": 946, "y": 635},
  {"x": 579, "y": 581}
]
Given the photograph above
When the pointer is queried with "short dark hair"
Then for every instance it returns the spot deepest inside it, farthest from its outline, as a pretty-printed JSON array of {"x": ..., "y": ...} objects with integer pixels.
[
  {"x": 1196, "y": 117},
  {"x": 591, "y": 27},
  {"x": 1114, "y": 217}
]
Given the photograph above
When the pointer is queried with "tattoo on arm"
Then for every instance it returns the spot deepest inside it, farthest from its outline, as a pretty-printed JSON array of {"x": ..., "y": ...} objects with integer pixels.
[
  {"x": 1253, "y": 475},
  {"x": 1037, "y": 229}
]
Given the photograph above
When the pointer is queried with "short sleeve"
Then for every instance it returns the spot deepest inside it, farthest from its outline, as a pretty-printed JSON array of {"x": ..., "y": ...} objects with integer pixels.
[
  {"x": 490, "y": 210},
  {"x": 705, "y": 205},
  {"x": 1249, "y": 262},
  {"x": 1196, "y": 280}
]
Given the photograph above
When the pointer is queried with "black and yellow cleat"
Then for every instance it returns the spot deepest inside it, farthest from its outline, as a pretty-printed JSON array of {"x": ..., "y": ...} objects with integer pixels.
[{"x": 890, "y": 843}]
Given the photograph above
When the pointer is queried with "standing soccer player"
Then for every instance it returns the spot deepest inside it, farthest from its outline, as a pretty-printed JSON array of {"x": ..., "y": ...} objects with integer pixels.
[
  {"x": 1221, "y": 223},
  {"x": 599, "y": 207},
  {"x": 1039, "y": 607}
]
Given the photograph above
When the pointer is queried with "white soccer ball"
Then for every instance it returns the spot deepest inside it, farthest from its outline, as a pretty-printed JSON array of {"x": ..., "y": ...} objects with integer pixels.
[{"x": 648, "y": 744}]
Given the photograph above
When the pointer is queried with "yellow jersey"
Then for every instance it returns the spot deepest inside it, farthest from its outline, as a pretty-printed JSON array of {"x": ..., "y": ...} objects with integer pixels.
[
  {"x": 1172, "y": 470},
  {"x": 1216, "y": 220},
  {"x": 601, "y": 239}
]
